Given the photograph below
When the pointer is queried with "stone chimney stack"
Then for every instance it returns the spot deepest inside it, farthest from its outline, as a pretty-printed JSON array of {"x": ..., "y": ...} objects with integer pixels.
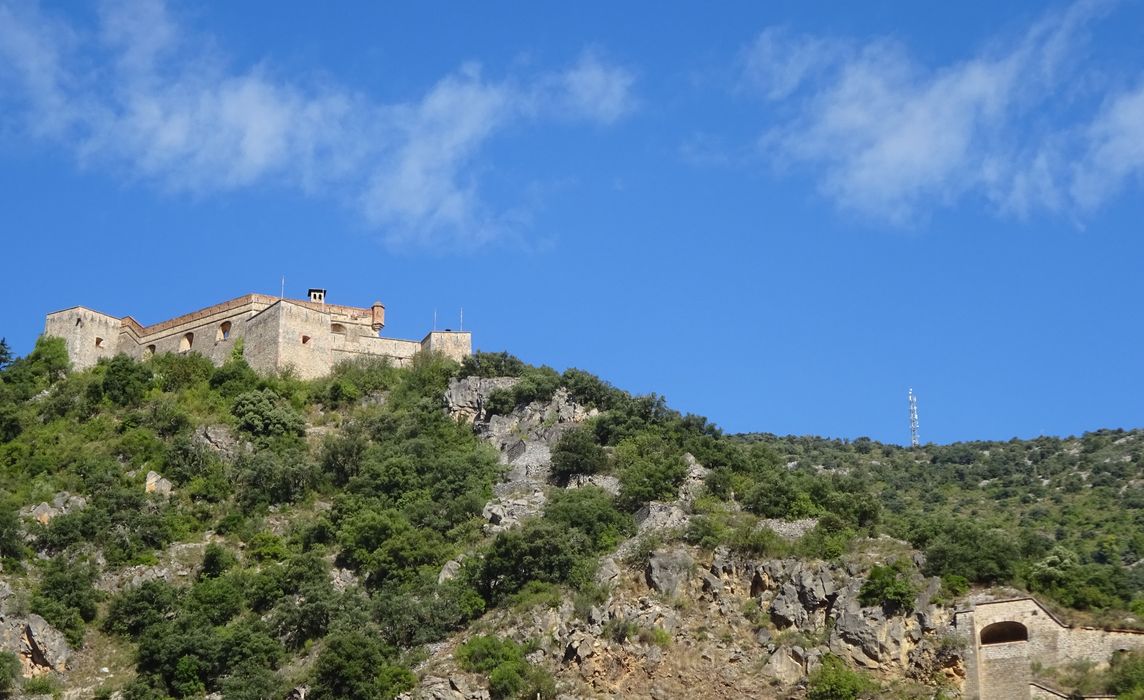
[{"x": 377, "y": 312}]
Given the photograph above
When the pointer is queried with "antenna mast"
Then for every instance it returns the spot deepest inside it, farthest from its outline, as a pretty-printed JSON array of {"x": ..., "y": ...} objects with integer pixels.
[{"x": 913, "y": 419}]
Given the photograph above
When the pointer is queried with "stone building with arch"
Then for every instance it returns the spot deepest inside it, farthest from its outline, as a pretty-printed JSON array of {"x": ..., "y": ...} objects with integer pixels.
[
  {"x": 1007, "y": 636},
  {"x": 308, "y": 336}
]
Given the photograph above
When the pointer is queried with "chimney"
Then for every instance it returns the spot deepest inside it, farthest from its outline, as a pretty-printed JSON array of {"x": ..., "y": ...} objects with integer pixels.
[
  {"x": 318, "y": 296},
  {"x": 377, "y": 317}
]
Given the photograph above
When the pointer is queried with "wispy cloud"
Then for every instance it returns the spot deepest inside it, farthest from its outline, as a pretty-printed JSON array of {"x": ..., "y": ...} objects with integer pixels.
[
  {"x": 892, "y": 139},
  {"x": 156, "y": 102}
]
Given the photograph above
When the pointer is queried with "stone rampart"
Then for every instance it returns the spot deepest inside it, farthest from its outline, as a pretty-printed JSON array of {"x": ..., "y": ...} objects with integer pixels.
[{"x": 308, "y": 337}]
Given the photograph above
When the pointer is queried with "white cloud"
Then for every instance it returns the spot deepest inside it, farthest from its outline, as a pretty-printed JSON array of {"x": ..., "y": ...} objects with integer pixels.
[
  {"x": 595, "y": 90},
  {"x": 159, "y": 105},
  {"x": 778, "y": 61},
  {"x": 1115, "y": 150},
  {"x": 891, "y": 139}
]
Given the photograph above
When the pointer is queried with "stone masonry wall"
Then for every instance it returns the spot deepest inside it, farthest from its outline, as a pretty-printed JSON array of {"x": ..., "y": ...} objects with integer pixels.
[
  {"x": 308, "y": 337},
  {"x": 88, "y": 335},
  {"x": 1003, "y": 670}
]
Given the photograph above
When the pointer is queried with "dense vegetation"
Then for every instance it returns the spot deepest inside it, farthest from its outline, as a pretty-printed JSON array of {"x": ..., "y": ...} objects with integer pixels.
[{"x": 364, "y": 471}]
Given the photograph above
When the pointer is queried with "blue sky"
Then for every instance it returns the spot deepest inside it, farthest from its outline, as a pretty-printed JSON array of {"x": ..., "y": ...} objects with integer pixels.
[{"x": 779, "y": 215}]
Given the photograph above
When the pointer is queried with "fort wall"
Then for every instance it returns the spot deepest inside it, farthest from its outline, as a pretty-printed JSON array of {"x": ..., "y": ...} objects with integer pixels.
[
  {"x": 307, "y": 337},
  {"x": 1007, "y": 636}
]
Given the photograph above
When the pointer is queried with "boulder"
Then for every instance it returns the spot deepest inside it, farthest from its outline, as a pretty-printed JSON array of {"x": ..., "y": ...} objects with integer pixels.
[
  {"x": 156, "y": 483},
  {"x": 218, "y": 439},
  {"x": 40, "y": 647},
  {"x": 668, "y": 569},
  {"x": 608, "y": 483},
  {"x": 449, "y": 571},
  {"x": 783, "y": 666},
  {"x": 657, "y": 515}
]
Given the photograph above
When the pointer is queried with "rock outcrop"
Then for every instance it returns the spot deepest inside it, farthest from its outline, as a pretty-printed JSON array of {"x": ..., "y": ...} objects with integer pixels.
[{"x": 40, "y": 647}]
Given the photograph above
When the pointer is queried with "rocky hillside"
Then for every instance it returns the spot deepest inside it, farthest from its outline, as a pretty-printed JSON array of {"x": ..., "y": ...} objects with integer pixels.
[{"x": 172, "y": 529}]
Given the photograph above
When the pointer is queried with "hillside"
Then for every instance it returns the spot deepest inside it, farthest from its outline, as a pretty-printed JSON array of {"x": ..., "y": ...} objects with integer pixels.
[{"x": 491, "y": 529}]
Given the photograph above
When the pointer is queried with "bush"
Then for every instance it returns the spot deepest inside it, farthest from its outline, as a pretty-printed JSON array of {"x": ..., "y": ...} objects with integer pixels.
[
  {"x": 233, "y": 378},
  {"x": 9, "y": 673},
  {"x": 889, "y": 587},
  {"x": 650, "y": 469},
  {"x": 502, "y": 660},
  {"x": 356, "y": 665},
  {"x": 834, "y": 680},
  {"x": 125, "y": 381},
  {"x": 971, "y": 551},
  {"x": 67, "y": 597},
  {"x": 576, "y": 452},
  {"x": 591, "y": 511},
  {"x": 263, "y": 414},
  {"x": 136, "y": 609},
  {"x": 175, "y": 372},
  {"x": 537, "y": 551},
  {"x": 536, "y": 384},
  {"x": 491, "y": 364}
]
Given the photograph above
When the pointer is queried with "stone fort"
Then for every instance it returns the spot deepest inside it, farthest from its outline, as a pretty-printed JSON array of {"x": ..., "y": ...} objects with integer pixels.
[
  {"x": 1007, "y": 637},
  {"x": 306, "y": 336}
]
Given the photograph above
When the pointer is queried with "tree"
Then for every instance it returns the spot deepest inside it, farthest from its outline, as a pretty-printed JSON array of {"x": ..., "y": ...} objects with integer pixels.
[
  {"x": 576, "y": 452},
  {"x": 5, "y": 354},
  {"x": 126, "y": 381}
]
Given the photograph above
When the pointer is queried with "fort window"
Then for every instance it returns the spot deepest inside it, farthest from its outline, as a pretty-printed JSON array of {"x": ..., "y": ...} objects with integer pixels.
[
  {"x": 223, "y": 331},
  {"x": 148, "y": 352},
  {"x": 99, "y": 342},
  {"x": 337, "y": 328},
  {"x": 305, "y": 339},
  {"x": 79, "y": 323},
  {"x": 1002, "y": 632},
  {"x": 186, "y": 342}
]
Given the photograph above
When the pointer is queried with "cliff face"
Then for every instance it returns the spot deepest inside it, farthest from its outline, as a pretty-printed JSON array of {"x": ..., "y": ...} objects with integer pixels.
[{"x": 673, "y": 621}]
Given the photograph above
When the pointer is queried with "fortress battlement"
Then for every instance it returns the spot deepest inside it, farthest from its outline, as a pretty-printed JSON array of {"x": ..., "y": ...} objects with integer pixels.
[{"x": 309, "y": 336}]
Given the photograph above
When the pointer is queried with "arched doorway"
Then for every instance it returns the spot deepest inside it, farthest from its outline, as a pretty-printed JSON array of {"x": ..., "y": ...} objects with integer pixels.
[{"x": 1004, "y": 632}]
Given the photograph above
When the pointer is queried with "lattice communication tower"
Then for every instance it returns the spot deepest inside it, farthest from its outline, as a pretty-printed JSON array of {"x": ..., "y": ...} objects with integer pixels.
[{"x": 913, "y": 419}]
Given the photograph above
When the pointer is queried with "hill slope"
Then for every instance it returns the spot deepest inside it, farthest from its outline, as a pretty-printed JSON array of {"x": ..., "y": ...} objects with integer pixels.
[{"x": 172, "y": 529}]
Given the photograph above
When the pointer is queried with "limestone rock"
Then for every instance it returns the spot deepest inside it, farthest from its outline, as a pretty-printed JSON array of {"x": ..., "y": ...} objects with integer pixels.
[
  {"x": 608, "y": 483},
  {"x": 466, "y": 399},
  {"x": 503, "y": 513},
  {"x": 694, "y": 482},
  {"x": 668, "y": 569},
  {"x": 156, "y": 483},
  {"x": 40, "y": 647},
  {"x": 62, "y": 504},
  {"x": 783, "y": 666},
  {"x": 449, "y": 571},
  {"x": 218, "y": 439},
  {"x": 658, "y": 516},
  {"x": 608, "y": 575}
]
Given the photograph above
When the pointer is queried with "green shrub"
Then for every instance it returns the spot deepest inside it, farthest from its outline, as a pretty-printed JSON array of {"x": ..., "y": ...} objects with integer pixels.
[
  {"x": 590, "y": 510},
  {"x": 890, "y": 587},
  {"x": 834, "y": 680},
  {"x": 649, "y": 469},
  {"x": 491, "y": 364},
  {"x": 136, "y": 609},
  {"x": 262, "y": 414},
  {"x": 175, "y": 372},
  {"x": 356, "y": 665},
  {"x": 235, "y": 377},
  {"x": 67, "y": 597},
  {"x": 9, "y": 673},
  {"x": 502, "y": 660},
  {"x": 576, "y": 452},
  {"x": 216, "y": 560},
  {"x": 125, "y": 381}
]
